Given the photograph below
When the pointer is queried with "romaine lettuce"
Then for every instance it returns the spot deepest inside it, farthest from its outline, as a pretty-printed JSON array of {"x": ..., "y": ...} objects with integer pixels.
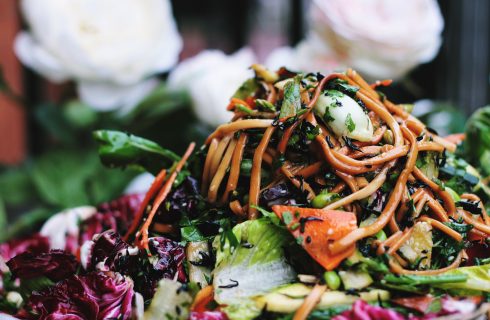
[{"x": 255, "y": 265}]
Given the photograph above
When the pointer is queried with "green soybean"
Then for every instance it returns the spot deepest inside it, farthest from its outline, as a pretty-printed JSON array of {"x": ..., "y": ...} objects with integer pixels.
[
  {"x": 323, "y": 199},
  {"x": 332, "y": 280}
]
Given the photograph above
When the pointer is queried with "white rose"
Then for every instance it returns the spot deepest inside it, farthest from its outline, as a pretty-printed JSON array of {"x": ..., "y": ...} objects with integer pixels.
[
  {"x": 211, "y": 78},
  {"x": 308, "y": 56},
  {"x": 379, "y": 38},
  {"x": 109, "y": 47}
]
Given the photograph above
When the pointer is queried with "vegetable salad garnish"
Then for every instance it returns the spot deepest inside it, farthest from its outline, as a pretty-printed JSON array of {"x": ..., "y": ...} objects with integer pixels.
[{"x": 320, "y": 199}]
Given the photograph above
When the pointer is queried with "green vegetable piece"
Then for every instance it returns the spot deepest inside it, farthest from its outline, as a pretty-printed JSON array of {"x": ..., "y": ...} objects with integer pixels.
[
  {"x": 242, "y": 108},
  {"x": 381, "y": 235},
  {"x": 349, "y": 123},
  {"x": 254, "y": 269},
  {"x": 332, "y": 280},
  {"x": 247, "y": 89},
  {"x": 246, "y": 167},
  {"x": 323, "y": 199},
  {"x": 292, "y": 99},
  {"x": 265, "y": 105},
  {"x": 453, "y": 194},
  {"x": 119, "y": 149}
]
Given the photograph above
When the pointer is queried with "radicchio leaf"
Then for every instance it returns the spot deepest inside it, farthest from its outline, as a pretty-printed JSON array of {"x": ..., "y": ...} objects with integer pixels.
[
  {"x": 34, "y": 243},
  {"x": 108, "y": 252},
  {"x": 116, "y": 215},
  {"x": 98, "y": 295},
  {"x": 55, "y": 265}
]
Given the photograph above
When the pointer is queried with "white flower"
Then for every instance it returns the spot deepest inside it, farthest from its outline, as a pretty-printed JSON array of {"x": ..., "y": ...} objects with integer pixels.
[
  {"x": 109, "y": 47},
  {"x": 63, "y": 227},
  {"x": 211, "y": 78},
  {"x": 308, "y": 56},
  {"x": 380, "y": 38}
]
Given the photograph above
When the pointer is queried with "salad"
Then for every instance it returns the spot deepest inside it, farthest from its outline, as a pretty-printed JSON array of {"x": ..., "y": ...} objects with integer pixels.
[{"x": 320, "y": 199}]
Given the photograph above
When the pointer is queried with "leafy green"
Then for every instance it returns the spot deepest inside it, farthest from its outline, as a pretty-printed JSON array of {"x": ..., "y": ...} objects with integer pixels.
[
  {"x": 248, "y": 88},
  {"x": 292, "y": 99},
  {"x": 119, "y": 149},
  {"x": 477, "y": 142},
  {"x": 416, "y": 280},
  {"x": 256, "y": 265},
  {"x": 445, "y": 249},
  {"x": 3, "y": 216},
  {"x": 171, "y": 301},
  {"x": 427, "y": 163},
  {"x": 478, "y": 279}
]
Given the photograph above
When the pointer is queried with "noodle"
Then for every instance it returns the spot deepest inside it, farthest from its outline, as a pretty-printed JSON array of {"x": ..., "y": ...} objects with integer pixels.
[{"x": 255, "y": 175}]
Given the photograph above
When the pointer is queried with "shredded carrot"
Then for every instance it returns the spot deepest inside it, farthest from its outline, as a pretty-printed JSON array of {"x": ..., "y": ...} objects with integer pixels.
[
  {"x": 161, "y": 196},
  {"x": 155, "y": 186},
  {"x": 203, "y": 298},
  {"x": 310, "y": 302}
]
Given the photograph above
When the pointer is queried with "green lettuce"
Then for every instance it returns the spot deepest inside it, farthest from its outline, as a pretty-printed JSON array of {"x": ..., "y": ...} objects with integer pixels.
[
  {"x": 478, "y": 280},
  {"x": 253, "y": 264}
]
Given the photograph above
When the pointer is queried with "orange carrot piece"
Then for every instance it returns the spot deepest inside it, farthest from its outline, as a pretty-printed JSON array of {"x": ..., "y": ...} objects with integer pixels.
[{"x": 315, "y": 228}]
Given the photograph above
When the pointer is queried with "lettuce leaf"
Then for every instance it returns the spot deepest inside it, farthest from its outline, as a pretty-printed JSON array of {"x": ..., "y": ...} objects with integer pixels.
[
  {"x": 478, "y": 280},
  {"x": 254, "y": 264}
]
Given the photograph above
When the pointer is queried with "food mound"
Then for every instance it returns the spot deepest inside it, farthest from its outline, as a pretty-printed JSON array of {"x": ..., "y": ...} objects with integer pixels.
[{"x": 320, "y": 199}]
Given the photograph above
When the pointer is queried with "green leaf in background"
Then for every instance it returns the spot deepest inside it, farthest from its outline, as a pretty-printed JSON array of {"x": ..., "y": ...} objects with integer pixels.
[
  {"x": 3, "y": 217},
  {"x": 292, "y": 99},
  {"x": 79, "y": 115},
  {"x": 26, "y": 223},
  {"x": 16, "y": 185},
  {"x": 119, "y": 149},
  {"x": 66, "y": 179},
  {"x": 159, "y": 104},
  {"x": 442, "y": 117},
  {"x": 477, "y": 142}
]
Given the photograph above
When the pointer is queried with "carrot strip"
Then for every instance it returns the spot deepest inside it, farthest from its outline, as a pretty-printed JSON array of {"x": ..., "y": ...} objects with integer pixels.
[
  {"x": 156, "y": 184},
  {"x": 310, "y": 302},
  {"x": 143, "y": 243},
  {"x": 203, "y": 298}
]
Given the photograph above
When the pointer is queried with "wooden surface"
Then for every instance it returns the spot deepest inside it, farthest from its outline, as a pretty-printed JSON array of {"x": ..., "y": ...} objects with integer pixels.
[{"x": 12, "y": 118}]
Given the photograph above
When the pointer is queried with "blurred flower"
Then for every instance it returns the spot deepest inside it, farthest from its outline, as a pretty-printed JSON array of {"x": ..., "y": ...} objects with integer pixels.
[
  {"x": 308, "y": 56},
  {"x": 379, "y": 38},
  {"x": 211, "y": 78},
  {"x": 111, "y": 48}
]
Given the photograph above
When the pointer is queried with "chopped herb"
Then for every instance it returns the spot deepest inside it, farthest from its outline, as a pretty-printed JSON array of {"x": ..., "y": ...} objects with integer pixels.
[
  {"x": 242, "y": 108},
  {"x": 287, "y": 217},
  {"x": 327, "y": 117},
  {"x": 265, "y": 105},
  {"x": 349, "y": 123},
  {"x": 299, "y": 240}
]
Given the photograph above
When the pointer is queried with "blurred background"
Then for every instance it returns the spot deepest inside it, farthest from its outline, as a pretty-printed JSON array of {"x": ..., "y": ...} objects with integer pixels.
[{"x": 164, "y": 70}]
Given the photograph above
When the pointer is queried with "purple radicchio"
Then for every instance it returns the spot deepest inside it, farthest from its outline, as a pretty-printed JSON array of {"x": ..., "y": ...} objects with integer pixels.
[
  {"x": 108, "y": 252},
  {"x": 361, "y": 310},
  {"x": 34, "y": 243},
  {"x": 97, "y": 295},
  {"x": 116, "y": 215},
  {"x": 55, "y": 265}
]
